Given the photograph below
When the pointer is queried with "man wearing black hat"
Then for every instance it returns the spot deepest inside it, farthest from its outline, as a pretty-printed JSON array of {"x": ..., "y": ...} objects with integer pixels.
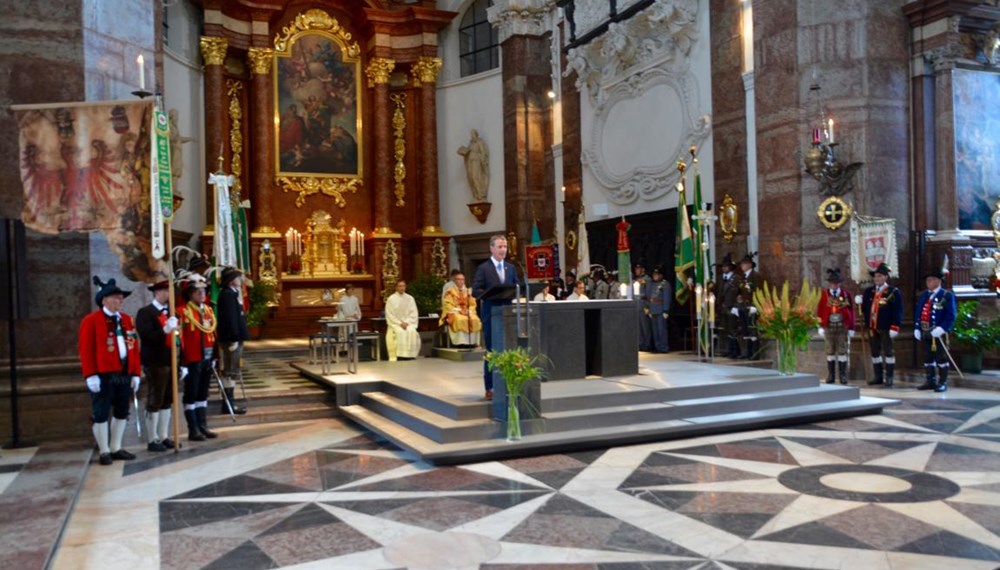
[
  {"x": 156, "y": 330},
  {"x": 660, "y": 295},
  {"x": 639, "y": 283},
  {"x": 935, "y": 316},
  {"x": 745, "y": 311},
  {"x": 727, "y": 302},
  {"x": 836, "y": 325},
  {"x": 882, "y": 306},
  {"x": 198, "y": 325},
  {"x": 109, "y": 358},
  {"x": 231, "y": 333}
]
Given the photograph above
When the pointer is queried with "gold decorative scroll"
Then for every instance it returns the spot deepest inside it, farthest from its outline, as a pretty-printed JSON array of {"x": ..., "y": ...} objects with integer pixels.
[
  {"x": 233, "y": 89},
  {"x": 306, "y": 186},
  {"x": 315, "y": 19},
  {"x": 378, "y": 71},
  {"x": 425, "y": 70},
  {"x": 213, "y": 49},
  {"x": 260, "y": 60},
  {"x": 439, "y": 259},
  {"x": 399, "y": 130},
  {"x": 728, "y": 218},
  {"x": 390, "y": 269}
]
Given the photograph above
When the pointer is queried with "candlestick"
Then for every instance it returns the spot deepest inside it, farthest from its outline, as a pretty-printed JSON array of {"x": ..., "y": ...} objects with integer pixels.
[
  {"x": 142, "y": 72},
  {"x": 830, "y": 122}
]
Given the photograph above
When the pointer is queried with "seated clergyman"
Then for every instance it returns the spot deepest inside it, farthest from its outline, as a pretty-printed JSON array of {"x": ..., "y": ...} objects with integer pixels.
[{"x": 459, "y": 313}]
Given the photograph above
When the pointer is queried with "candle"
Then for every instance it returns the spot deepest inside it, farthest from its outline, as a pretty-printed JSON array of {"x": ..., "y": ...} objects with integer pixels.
[
  {"x": 711, "y": 307},
  {"x": 354, "y": 241},
  {"x": 288, "y": 242},
  {"x": 697, "y": 299},
  {"x": 831, "y": 131},
  {"x": 298, "y": 242},
  {"x": 815, "y": 136},
  {"x": 361, "y": 240},
  {"x": 622, "y": 290},
  {"x": 142, "y": 72},
  {"x": 635, "y": 288}
]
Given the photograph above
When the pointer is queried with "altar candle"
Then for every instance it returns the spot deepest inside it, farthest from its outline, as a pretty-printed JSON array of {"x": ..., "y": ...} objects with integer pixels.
[
  {"x": 831, "y": 131},
  {"x": 697, "y": 298},
  {"x": 142, "y": 72},
  {"x": 298, "y": 242},
  {"x": 288, "y": 242},
  {"x": 711, "y": 307},
  {"x": 361, "y": 240},
  {"x": 354, "y": 241}
]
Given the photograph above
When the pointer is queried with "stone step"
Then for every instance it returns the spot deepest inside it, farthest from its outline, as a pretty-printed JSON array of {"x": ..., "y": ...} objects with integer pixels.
[{"x": 434, "y": 426}]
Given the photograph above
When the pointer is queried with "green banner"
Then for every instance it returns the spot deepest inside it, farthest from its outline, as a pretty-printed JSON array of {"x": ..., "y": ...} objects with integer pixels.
[{"x": 163, "y": 163}]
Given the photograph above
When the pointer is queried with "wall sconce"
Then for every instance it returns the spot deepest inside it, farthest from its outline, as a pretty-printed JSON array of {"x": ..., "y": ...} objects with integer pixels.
[{"x": 821, "y": 160}]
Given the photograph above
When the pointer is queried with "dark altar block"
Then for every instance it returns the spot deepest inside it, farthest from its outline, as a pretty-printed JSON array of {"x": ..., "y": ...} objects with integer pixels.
[{"x": 580, "y": 338}]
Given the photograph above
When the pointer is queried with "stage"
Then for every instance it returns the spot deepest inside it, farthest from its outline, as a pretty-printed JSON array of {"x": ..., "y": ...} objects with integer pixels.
[{"x": 434, "y": 407}]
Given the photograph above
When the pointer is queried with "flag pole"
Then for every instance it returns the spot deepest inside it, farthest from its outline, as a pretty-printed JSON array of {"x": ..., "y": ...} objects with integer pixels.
[{"x": 173, "y": 339}]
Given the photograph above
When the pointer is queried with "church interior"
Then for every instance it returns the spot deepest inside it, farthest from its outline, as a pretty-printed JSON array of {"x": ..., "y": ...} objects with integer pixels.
[{"x": 321, "y": 145}]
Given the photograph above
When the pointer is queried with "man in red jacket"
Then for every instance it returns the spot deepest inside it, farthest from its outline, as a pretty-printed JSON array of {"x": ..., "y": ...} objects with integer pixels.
[
  {"x": 109, "y": 357},
  {"x": 836, "y": 325}
]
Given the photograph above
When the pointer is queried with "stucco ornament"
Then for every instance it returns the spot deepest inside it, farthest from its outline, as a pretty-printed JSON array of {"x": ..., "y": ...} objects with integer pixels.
[{"x": 521, "y": 17}]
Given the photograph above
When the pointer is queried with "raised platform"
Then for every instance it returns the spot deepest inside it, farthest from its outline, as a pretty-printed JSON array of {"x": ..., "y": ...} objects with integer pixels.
[{"x": 434, "y": 407}]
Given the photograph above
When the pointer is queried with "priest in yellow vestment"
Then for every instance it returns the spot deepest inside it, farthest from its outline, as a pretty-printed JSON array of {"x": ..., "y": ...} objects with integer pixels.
[{"x": 459, "y": 313}]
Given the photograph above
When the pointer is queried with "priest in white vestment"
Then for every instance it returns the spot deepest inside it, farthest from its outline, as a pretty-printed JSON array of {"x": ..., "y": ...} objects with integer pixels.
[{"x": 401, "y": 337}]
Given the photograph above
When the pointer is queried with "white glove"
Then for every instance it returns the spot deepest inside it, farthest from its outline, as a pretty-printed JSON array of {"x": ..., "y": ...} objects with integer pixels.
[
  {"x": 735, "y": 312},
  {"x": 665, "y": 316},
  {"x": 94, "y": 383},
  {"x": 822, "y": 332},
  {"x": 937, "y": 332},
  {"x": 135, "y": 383},
  {"x": 894, "y": 334},
  {"x": 171, "y": 325},
  {"x": 184, "y": 372},
  {"x": 858, "y": 299},
  {"x": 916, "y": 334},
  {"x": 753, "y": 310},
  {"x": 850, "y": 334},
  {"x": 233, "y": 346}
]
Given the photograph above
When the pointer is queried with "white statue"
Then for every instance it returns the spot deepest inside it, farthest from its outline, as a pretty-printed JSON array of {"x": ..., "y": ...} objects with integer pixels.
[
  {"x": 176, "y": 153},
  {"x": 477, "y": 166}
]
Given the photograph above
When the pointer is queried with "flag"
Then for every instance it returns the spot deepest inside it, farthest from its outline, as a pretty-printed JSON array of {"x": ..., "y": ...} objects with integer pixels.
[
  {"x": 683, "y": 247},
  {"x": 536, "y": 236},
  {"x": 583, "y": 247},
  {"x": 700, "y": 252},
  {"x": 624, "y": 251},
  {"x": 541, "y": 261}
]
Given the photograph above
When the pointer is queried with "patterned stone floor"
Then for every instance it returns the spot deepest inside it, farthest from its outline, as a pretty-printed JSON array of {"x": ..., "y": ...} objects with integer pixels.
[{"x": 917, "y": 487}]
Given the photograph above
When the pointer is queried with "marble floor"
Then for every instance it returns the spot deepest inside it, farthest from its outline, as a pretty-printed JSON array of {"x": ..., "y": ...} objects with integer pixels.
[{"x": 917, "y": 487}]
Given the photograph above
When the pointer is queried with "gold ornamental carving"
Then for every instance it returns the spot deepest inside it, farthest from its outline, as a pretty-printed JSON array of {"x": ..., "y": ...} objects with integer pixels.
[
  {"x": 260, "y": 60},
  {"x": 378, "y": 71},
  {"x": 317, "y": 20},
  {"x": 425, "y": 70},
  {"x": 306, "y": 186},
  {"x": 213, "y": 49},
  {"x": 233, "y": 89},
  {"x": 399, "y": 152},
  {"x": 833, "y": 212},
  {"x": 324, "y": 246},
  {"x": 728, "y": 218},
  {"x": 439, "y": 259},
  {"x": 267, "y": 270},
  {"x": 390, "y": 269}
]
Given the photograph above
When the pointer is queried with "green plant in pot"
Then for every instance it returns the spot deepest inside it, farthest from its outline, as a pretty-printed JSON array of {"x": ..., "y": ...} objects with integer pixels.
[
  {"x": 518, "y": 368},
  {"x": 974, "y": 336},
  {"x": 426, "y": 292},
  {"x": 261, "y": 300}
]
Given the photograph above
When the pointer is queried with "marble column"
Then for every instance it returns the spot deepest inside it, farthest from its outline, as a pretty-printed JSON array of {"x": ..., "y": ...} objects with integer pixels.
[
  {"x": 262, "y": 137},
  {"x": 572, "y": 144},
  {"x": 433, "y": 242},
  {"x": 213, "y": 51},
  {"x": 378, "y": 71}
]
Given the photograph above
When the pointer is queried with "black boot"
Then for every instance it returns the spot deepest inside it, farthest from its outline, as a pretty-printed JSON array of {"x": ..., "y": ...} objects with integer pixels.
[
  {"x": 238, "y": 410},
  {"x": 192, "y": 422},
  {"x": 878, "y": 375},
  {"x": 942, "y": 383},
  {"x": 831, "y": 371},
  {"x": 201, "y": 415},
  {"x": 929, "y": 383},
  {"x": 843, "y": 371},
  {"x": 744, "y": 346},
  {"x": 733, "y": 348},
  {"x": 889, "y": 370}
]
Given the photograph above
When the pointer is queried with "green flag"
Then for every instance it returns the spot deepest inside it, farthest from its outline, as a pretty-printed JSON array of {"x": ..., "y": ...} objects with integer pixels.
[
  {"x": 683, "y": 247},
  {"x": 700, "y": 255},
  {"x": 536, "y": 236}
]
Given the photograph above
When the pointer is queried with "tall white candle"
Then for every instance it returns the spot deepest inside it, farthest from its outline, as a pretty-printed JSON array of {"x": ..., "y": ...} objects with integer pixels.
[
  {"x": 830, "y": 123},
  {"x": 142, "y": 72},
  {"x": 361, "y": 240},
  {"x": 711, "y": 307},
  {"x": 288, "y": 242}
]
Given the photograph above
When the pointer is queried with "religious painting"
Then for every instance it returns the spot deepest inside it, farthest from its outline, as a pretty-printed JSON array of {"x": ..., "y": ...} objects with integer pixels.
[
  {"x": 977, "y": 149},
  {"x": 318, "y": 107}
]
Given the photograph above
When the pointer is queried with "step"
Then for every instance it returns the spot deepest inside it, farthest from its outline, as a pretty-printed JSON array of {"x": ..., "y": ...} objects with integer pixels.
[
  {"x": 590, "y": 438},
  {"x": 455, "y": 410},
  {"x": 427, "y": 423},
  {"x": 458, "y": 354},
  {"x": 257, "y": 414}
]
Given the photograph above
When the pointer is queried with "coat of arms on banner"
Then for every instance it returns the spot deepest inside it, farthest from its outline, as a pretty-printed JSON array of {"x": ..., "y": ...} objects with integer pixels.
[
  {"x": 541, "y": 262},
  {"x": 873, "y": 241}
]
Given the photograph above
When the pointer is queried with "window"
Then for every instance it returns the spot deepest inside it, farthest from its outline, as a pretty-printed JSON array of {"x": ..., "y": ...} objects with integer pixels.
[{"x": 477, "y": 39}]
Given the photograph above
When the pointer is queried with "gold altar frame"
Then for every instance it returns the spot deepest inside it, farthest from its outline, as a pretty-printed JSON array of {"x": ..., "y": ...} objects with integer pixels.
[{"x": 305, "y": 182}]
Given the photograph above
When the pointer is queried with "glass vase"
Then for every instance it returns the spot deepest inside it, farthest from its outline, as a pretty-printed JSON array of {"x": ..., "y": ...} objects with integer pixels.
[
  {"x": 513, "y": 419},
  {"x": 787, "y": 357}
]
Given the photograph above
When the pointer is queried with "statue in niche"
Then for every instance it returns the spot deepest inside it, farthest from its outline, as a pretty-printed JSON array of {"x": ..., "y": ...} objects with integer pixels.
[
  {"x": 176, "y": 152},
  {"x": 477, "y": 166}
]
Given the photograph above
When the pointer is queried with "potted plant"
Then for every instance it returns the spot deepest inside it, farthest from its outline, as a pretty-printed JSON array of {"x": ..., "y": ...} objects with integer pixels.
[
  {"x": 518, "y": 368},
  {"x": 426, "y": 292},
  {"x": 261, "y": 299},
  {"x": 790, "y": 322},
  {"x": 974, "y": 335}
]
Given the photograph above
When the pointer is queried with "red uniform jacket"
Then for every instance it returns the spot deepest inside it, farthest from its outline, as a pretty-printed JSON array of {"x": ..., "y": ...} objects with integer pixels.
[
  {"x": 831, "y": 305},
  {"x": 193, "y": 339},
  {"x": 98, "y": 345}
]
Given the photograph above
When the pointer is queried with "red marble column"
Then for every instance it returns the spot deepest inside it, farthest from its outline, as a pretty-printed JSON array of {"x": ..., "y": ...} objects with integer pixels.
[
  {"x": 378, "y": 72},
  {"x": 424, "y": 75},
  {"x": 262, "y": 137},
  {"x": 213, "y": 51}
]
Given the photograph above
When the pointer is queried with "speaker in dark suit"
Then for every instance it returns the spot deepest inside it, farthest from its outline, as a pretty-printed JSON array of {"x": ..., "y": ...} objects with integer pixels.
[{"x": 490, "y": 273}]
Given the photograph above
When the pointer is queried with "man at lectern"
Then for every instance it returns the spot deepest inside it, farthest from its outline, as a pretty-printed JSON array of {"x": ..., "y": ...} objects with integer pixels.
[{"x": 490, "y": 273}]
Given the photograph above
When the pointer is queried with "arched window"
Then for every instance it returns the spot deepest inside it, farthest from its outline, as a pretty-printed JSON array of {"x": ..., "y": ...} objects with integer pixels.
[{"x": 477, "y": 40}]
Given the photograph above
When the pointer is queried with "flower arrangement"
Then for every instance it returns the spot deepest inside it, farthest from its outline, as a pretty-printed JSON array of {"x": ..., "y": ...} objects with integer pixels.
[
  {"x": 518, "y": 368},
  {"x": 790, "y": 322}
]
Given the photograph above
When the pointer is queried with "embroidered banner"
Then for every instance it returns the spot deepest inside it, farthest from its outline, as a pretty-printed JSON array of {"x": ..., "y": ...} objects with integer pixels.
[
  {"x": 541, "y": 262},
  {"x": 873, "y": 241}
]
